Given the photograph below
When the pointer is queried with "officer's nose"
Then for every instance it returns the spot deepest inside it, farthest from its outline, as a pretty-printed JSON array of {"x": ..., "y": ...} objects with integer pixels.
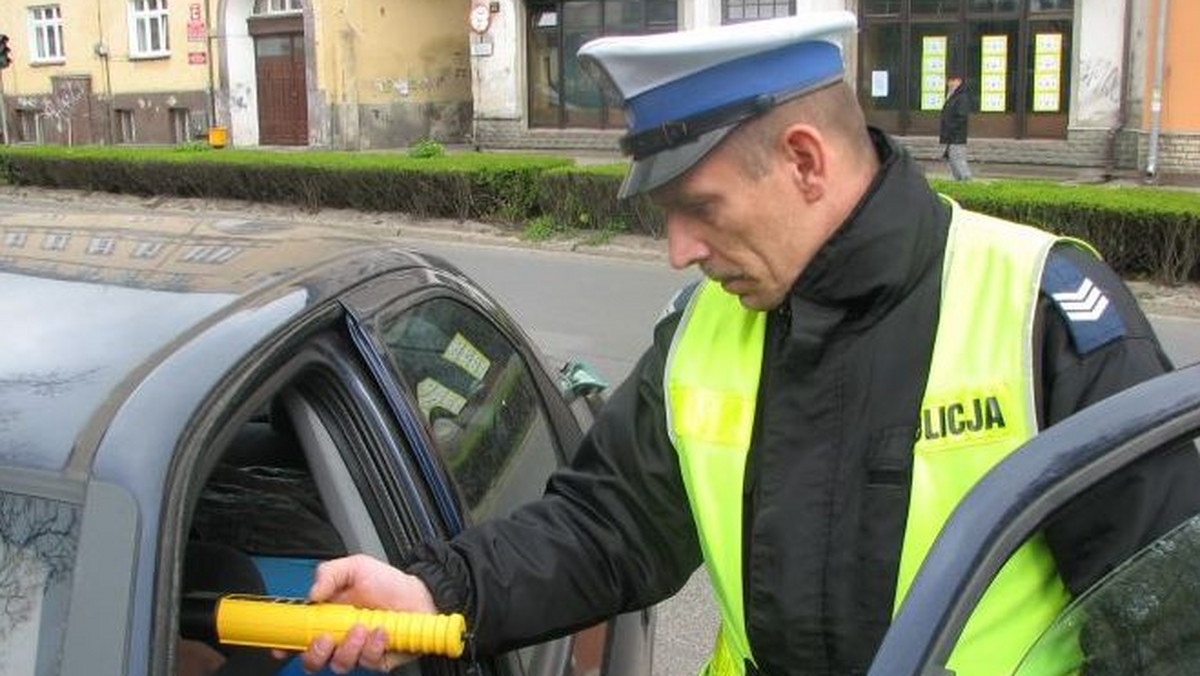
[{"x": 684, "y": 247}]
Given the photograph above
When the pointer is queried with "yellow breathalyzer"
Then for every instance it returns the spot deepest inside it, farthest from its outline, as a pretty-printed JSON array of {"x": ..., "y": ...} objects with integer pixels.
[{"x": 291, "y": 624}]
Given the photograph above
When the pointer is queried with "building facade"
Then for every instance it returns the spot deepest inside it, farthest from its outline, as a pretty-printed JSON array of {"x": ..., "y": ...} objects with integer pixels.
[
  {"x": 1054, "y": 82},
  {"x": 1074, "y": 83},
  {"x": 340, "y": 74}
]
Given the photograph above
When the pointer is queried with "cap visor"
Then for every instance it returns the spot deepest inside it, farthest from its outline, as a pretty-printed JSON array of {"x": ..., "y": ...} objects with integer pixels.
[{"x": 660, "y": 168}]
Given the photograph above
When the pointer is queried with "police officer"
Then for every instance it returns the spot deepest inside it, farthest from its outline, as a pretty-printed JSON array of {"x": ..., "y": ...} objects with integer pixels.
[{"x": 861, "y": 352}]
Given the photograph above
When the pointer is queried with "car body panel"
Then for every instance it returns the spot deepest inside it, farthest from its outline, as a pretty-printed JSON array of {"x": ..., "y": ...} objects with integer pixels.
[{"x": 165, "y": 325}]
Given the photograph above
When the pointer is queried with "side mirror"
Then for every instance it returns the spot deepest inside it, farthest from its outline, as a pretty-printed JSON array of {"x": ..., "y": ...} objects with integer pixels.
[{"x": 577, "y": 379}]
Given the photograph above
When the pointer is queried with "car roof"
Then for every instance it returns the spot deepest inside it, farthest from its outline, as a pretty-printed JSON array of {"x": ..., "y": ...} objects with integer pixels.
[{"x": 91, "y": 301}]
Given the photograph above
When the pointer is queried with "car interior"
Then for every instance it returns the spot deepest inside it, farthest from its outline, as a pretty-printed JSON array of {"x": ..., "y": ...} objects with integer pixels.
[
  {"x": 279, "y": 501},
  {"x": 281, "y": 497}
]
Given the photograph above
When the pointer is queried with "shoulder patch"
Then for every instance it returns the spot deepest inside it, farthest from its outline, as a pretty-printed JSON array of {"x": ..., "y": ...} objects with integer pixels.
[
  {"x": 678, "y": 302},
  {"x": 1092, "y": 320}
]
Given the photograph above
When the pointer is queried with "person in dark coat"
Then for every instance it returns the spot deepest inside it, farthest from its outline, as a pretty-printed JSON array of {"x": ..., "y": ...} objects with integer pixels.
[{"x": 955, "y": 115}]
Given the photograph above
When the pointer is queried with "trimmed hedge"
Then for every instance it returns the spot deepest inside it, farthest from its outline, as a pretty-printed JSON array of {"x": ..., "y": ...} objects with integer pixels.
[
  {"x": 498, "y": 187},
  {"x": 1142, "y": 231}
]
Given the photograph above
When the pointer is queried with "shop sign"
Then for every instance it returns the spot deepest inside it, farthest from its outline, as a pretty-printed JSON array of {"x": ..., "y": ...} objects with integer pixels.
[
  {"x": 1047, "y": 72},
  {"x": 933, "y": 72},
  {"x": 993, "y": 73}
]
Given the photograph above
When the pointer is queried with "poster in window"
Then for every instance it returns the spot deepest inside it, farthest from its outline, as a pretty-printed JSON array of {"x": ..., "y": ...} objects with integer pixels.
[
  {"x": 993, "y": 73},
  {"x": 879, "y": 84},
  {"x": 1047, "y": 72},
  {"x": 933, "y": 72}
]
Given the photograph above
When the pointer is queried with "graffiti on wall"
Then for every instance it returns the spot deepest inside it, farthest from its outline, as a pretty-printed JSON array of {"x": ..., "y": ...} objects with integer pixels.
[
  {"x": 241, "y": 96},
  {"x": 60, "y": 106},
  {"x": 1099, "y": 81},
  {"x": 408, "y": 86}
]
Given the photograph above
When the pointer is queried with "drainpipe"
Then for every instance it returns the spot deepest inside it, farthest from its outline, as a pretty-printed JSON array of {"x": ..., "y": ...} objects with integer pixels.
[
  {"x": 1123, "y": 105},
  {"x": 1156, "y": 95}
]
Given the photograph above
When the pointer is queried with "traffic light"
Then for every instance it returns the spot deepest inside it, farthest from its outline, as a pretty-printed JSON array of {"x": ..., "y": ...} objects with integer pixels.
[{"x": 5, "y": 52}]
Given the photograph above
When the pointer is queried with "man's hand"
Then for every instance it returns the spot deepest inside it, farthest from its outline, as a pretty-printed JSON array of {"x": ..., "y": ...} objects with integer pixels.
[{"x": 367, "y": 583}]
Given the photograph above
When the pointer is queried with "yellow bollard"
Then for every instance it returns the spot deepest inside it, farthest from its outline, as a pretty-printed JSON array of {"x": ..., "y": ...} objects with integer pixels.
[{"x": 218, "y": 137}]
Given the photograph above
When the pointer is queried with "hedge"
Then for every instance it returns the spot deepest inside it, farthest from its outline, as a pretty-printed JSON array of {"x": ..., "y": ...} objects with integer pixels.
[
  {"x": 496, "y": 187},
  {"x": 1142, "y": 231}
]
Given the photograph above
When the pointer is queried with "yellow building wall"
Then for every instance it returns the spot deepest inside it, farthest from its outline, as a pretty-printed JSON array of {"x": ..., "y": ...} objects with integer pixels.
[
  {"x": 87, "y": 23},
  {"x": 395, "y": 51},
  {"x": 1181, "y": 67}
]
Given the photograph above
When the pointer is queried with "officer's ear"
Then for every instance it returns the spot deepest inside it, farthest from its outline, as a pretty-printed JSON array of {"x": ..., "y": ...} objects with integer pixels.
[{"x": 807, "y": 157}]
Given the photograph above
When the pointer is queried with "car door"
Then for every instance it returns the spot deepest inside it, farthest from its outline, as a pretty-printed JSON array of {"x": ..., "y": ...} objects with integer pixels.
[
  {"x": 494, "y": 427},
  {"x": 1140, "y": 619}
]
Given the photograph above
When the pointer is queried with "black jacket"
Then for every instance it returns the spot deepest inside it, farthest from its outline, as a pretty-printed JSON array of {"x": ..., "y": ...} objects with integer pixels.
[
  {"x": 956, "y": 113},
  {"x": 827, "y": 482}
]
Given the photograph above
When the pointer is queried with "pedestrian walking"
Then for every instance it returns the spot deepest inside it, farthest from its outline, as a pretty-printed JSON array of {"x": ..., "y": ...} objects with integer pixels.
[
  {"x": 956, "y": 114},
  {"x": 861, "y": 352}
]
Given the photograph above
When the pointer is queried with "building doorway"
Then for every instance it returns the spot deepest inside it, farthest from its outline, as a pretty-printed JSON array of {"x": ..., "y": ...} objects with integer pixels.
[
  {"x": 1014, "y": 54},
  {"x": 281, "y": 83}
]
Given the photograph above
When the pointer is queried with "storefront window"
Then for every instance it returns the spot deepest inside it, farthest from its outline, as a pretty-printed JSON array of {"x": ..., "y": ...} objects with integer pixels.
[
  {"x": 1014, "y": 56},
  {"x": 993, "y": 6},
  {"x": 561, "y": 93},
  {"x": 1051, "y": 5},
  {"x": 937, "y": 7},
  {"x": 880, "y": 7}
]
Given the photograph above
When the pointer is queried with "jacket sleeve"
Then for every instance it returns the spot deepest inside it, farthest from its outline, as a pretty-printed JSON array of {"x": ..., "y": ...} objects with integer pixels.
[
  {"x": 1082, "y": 363},
  {"x": 612, "y": 533}
]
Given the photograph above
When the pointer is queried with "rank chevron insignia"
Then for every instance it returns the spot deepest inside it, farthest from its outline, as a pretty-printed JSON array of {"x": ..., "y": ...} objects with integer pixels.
[{"x": 1085, "y": 304}]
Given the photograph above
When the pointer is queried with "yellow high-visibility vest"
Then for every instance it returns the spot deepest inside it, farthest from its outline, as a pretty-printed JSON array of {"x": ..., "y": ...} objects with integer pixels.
[{"x": 977, "y": 408}]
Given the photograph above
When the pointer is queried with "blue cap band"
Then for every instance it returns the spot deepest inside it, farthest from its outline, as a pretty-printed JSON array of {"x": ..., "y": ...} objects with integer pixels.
[{"x": 792, "y": 68}]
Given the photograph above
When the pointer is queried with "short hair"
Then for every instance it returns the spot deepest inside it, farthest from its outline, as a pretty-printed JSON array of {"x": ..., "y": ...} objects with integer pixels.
[{"x": 833, "y": 110}]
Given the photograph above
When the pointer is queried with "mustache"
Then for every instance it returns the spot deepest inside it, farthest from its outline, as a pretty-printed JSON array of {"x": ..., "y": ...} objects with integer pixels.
[{"x": 722, "y": 276}]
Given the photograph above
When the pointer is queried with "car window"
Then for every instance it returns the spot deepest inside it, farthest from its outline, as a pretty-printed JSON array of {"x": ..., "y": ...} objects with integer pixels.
[
  {"x": 38, "y": 543},
  {"x": 479, "y": 400},
  {"x": 1143, "y": 618}
]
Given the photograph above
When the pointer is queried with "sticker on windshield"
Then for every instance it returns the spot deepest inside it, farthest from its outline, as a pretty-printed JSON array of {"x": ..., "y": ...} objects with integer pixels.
[
  {"x": 460, "y": 351},
  {"x": 432, "y": 394}
]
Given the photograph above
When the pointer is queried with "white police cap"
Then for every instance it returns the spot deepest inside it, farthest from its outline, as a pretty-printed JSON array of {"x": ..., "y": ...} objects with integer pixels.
[{"x": 683, "y": 92}]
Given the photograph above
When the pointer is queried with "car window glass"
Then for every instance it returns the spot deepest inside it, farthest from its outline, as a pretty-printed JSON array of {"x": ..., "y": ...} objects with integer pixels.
[
  {"x": 1143, "y": 618},
  {"x": 479, "y": 400},
  {"x": 38, "y": 541}
]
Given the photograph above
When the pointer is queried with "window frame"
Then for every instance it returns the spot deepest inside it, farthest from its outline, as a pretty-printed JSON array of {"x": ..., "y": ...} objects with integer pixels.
[
  {"x": 147, "y": 13},
  {"x": 759, "y": 5},
  {"x": 610, "y": 113},
  {"x": 268, "y": 8},
  {"x": 43, "y": 31}
]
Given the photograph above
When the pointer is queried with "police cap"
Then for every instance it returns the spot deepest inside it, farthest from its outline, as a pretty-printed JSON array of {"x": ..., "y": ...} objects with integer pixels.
[{"x": 683, "y": 92}]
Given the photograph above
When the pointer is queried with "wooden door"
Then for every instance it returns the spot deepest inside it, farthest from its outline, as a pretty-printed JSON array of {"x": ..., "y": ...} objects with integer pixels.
[{"x": 282, "y": 101}]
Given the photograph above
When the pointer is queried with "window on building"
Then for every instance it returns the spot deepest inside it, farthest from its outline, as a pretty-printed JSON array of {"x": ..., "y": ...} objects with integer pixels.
[
  {"x": 29, "y": 126},
  {"x": 561, "y": 93},
  {"x": 278, "y": 6},
  {"x": 181, "y": 120},
  {"x": 46, "y": 34},
  {"x": 1014, "y": 56},
  {"x": 738, "y": 11},
  {"x": 148, "y": 34},
  {"x": 125, "y": 132}
]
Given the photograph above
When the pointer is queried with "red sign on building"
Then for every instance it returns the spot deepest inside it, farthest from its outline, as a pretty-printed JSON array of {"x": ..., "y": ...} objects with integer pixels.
[
  {"x": 196, "y": 29},
  {"x": 197, "y": 58}
]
